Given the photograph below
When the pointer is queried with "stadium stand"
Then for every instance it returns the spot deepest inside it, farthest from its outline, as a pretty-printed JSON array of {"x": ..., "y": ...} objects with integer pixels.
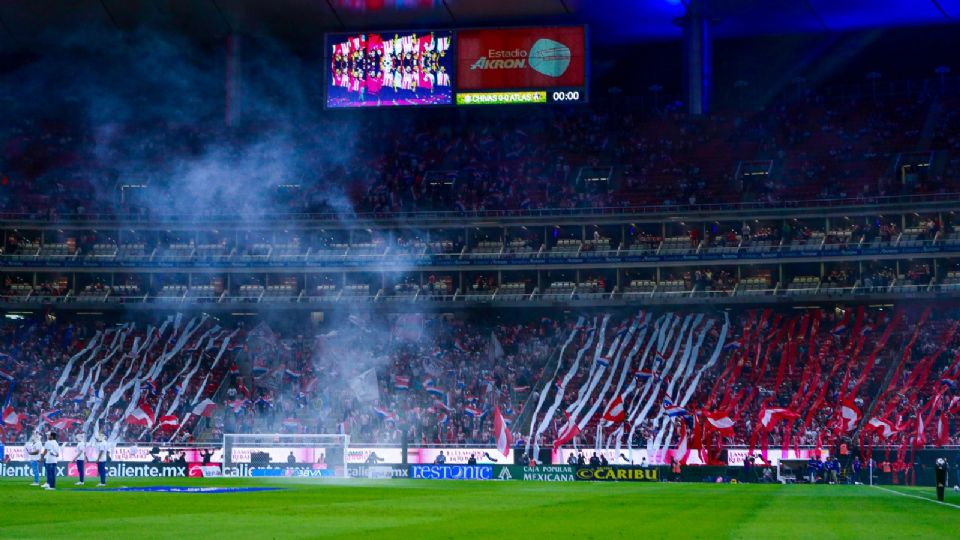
[
  {"x": 441, "y": 377},
  {"x": 667, "y": 160},
  {"x": 797, "y": 220},
  {"x": 75, "y": 377}
]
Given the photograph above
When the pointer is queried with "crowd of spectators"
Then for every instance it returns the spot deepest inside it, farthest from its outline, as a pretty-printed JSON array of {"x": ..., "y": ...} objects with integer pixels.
[
  {"x": 35, "y": 351},
  {"x": 428, "y": 384},
  {"x": 827, "y": 356},
  {"x": 437, "y": 379},
  {"x": 814, "y": 149}
]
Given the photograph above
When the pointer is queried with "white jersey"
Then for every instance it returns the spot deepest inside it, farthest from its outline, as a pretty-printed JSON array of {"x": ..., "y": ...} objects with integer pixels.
[
  {"x": 53, "y": 452},
  {"x": 81, "y": 451},
  {"x": 33, "y": 451},
  {"x": 103, "y": 450}
]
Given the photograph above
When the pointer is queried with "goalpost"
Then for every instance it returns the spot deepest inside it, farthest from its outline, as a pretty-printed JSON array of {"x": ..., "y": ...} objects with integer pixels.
[{"x": 304, "y": 455}]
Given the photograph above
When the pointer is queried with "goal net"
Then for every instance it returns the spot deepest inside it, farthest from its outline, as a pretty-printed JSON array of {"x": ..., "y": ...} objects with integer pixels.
[{"x": 280, "y": 454}]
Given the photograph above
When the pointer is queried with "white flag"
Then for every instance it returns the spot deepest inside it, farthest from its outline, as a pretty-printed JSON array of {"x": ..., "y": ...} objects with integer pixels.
[{"x": 365, "y": 386}]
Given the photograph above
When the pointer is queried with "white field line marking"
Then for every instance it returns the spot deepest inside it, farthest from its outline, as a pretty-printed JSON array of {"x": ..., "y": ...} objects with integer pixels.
[{"x": 895, "y": 492}]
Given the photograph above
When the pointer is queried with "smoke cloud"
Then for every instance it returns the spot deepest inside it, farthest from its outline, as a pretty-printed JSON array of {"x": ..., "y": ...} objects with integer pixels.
[{"x": 152, "y": 108}]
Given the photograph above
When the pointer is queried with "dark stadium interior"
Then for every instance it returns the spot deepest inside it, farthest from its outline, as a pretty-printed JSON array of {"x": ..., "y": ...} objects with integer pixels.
[{"x": 186, "y": 220}]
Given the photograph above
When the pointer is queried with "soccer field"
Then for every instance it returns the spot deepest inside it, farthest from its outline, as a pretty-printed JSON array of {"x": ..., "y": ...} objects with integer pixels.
[{"x": 459, "y": 509}]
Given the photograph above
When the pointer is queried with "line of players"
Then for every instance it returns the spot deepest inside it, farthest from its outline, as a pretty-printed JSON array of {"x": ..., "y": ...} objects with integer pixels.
[{"x": 49, "y": 453}]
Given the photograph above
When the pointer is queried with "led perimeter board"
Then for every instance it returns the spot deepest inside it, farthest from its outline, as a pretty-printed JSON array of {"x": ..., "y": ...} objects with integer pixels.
[
  {"x": 390, "y": 69},
  {"x": 465, "y": 67}
]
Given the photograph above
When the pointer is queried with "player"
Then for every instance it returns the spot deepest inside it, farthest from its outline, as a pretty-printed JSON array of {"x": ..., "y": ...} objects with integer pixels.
[
  {"x": 103, "y": 450},
  {"x": 941, "y": 472},
  {"x": 51, "y": 456},
  {"x": 81, "y": 458},
  {"x": 33, "y": 448}
]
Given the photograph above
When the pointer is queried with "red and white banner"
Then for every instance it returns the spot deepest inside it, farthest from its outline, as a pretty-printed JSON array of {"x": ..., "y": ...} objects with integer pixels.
[
  {"x": 509, "y": 58},
  {"x": 615, "y": 413},
  {"x": 142, "y": 416},
  {"x": 882, "y": 427},
  {"x": 204, "y": 408},
  {"x": 770, "y": 416},
  {"x": 849, "y": 415},
  {"x": 720, "y": 422},
  {"x": 168, "y": 422},
  {"x": 11, "y": 417}
]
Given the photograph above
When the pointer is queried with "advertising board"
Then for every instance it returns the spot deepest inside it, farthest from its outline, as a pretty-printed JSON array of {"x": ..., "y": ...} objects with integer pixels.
[
  {"x": 618, "y": 473},
  {"x": 451, "y": 472},
  {"x": 124, "y": 469},
  {"x": 521, "y": 58},
  {"x": 458, "y": 455},
  {"x": 735, "y": 456},
  {"x": 378, "y": 471},
  {"x": 540, "y": 473},
  {"x": 290, "y": 472},
  {"x": 132, "y": 453}
]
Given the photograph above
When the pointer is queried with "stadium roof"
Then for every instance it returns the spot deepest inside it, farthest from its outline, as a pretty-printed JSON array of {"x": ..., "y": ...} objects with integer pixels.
[{"x": 32, "y": 23}]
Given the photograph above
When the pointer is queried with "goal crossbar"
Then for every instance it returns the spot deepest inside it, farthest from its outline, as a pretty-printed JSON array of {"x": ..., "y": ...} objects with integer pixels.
[{"x": 316, "y": 452}]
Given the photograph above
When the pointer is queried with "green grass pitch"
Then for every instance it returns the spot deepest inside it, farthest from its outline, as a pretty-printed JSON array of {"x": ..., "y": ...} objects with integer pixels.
[{"x": 450, "y": 509}]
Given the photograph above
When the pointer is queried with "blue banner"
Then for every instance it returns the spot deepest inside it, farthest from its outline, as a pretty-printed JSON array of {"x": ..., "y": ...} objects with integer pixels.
[
  {"x": 290, "y": 472},
  {"x": 451, "y": 472}
]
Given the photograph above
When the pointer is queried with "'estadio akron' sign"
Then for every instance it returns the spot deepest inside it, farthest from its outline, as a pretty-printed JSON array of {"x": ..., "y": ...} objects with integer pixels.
[{"x": 545, "y": 57}]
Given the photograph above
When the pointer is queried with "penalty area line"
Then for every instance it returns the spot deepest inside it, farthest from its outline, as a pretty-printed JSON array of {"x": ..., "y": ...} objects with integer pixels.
[{"x": 895, "y": 492}]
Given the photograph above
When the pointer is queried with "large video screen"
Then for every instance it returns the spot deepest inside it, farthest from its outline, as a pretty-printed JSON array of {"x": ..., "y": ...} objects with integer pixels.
[
  {"x": 458, "y": 67},
  {"x": 521, "y": 58},
  {"x": 390, "y": 69}
]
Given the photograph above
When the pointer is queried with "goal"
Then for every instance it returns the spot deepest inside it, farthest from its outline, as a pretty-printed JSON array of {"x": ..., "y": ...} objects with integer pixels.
[{"x": 281, "y": 454}]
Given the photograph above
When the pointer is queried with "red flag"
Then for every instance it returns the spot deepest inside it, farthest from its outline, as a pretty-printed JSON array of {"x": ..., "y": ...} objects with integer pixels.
[
  {"x": 882, "y": 427},
  {"x": 204, "y": 408},
  {"x": 615, "y": 413},
  {"x": 242, "y": 388},
  {"x": 849, "y": 415},
  {"x": 769, "y": 417},
  {"x": 141, "y": 416},
  {"x": 720, "y": 422},
  {"x": 11, "y": 417},
  {"x": 65, "y": 423},
  {"x": 943, "y": 431},
  {"x": 919, "y": 438},
  {"x": 502, "y": 432},
  {"x": 566, "y": 435},
  {"x": 168, "y": 422}
]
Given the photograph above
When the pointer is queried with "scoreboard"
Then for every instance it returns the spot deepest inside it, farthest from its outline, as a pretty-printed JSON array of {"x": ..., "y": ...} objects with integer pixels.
[
  {"x": 519, "y": 97},
  {"x": 458, "y": 68}
]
